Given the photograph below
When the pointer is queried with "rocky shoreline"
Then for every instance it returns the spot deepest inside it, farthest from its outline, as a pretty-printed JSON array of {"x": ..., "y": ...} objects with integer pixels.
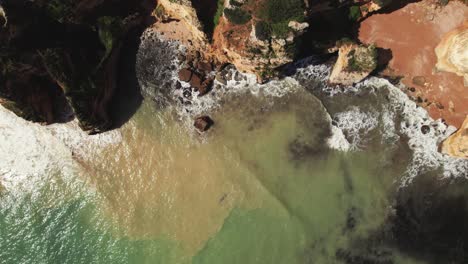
[{"x": 215, "y": 37}]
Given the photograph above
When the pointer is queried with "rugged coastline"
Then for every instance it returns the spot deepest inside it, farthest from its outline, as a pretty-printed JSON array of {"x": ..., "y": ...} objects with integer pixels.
[
  {"x": 232, "y": 136},
  {"x": 215, "y": 34}
]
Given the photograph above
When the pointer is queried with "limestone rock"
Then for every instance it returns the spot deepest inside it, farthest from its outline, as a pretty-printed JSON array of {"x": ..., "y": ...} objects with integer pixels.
[
  {"x": 355, "y": 62},
  {"x": 3, "y": 17},
  {"x": 299, "y": 27},
  {"x": 261, "y": 42},
  {"x": 457, "y": 144},
  {"x": 184, "y": 11},
  {"x": 452, "y": 52}
]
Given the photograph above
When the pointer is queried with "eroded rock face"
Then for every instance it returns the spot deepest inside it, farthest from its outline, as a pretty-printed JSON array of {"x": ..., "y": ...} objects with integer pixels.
[
  {"x": 457, "y": 144},
  {"x": 184, "y": 11},
  {"x": 355, "y": 62},
  {"x": 452, "y": 52},
  {"x": 257, "y": 37},
  {"x": 68, "y": 60}
]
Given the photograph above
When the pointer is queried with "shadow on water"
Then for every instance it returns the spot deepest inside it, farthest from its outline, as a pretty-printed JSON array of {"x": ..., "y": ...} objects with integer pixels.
[
  {"x": 430, "y": 219},
  {"x": 428, "y": 225}
]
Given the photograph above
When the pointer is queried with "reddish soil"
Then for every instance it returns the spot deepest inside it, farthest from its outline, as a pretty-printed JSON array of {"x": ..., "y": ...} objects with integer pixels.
[{"x": 412, "y": 33}]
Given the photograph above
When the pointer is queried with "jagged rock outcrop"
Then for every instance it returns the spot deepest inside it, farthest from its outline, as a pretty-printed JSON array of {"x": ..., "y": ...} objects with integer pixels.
[
  {"x": 256, "y": 36},
  {"x": 259, "y": 36},
  {"x": 61, "y": 61},
  {"x": 355, "y": 62},
  {"x": 457, "y": 144},
  {"x": 182, "y": 11},
  {"x": 452, "y": 52}
]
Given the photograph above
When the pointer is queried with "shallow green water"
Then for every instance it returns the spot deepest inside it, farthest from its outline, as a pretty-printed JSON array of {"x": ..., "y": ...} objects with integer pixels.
[{"x": 260, "y": 187}]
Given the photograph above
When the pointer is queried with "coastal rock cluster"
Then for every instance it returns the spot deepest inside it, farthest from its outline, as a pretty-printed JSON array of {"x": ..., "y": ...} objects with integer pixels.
[{"x": 64, "y": 63}]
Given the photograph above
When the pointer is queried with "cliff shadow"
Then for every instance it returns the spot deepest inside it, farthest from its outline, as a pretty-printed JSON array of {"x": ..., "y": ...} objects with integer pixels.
[
  {"x": 127, "y": 97},
  {"x": 206, "y": 11},
  {"x": 395, "y": 5}
]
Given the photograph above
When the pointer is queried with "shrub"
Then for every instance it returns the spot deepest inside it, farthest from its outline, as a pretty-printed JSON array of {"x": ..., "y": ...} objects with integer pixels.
[
  {"x": 278, "y": 13},
  {"x": 237, "y": 16},
  {"x": 262, "y": 30},
  {"x": 219, "y": 12},
  {"x": 59, "y": 10},
  {"x": 363, "y": 59},
  {"x": 109, "y": 30},
  {"x": 354, "y": 13}
]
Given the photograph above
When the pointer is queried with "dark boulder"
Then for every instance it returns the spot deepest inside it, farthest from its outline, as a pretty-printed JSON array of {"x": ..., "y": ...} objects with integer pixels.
[
  {"x": 205, "y": 66},
  {"x": 206, "y": 87},
  {"x": 203, "y": 123},
  {"x": 185, "y": 75},
  {"x": 425, "y": 129},
  {"x": 196, "y": 82}
]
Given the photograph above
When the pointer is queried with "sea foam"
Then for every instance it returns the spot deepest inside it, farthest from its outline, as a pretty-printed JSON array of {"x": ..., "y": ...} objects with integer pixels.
[
  {"x": 400, "y": 116},
  {"x": 29, "y": 152}
]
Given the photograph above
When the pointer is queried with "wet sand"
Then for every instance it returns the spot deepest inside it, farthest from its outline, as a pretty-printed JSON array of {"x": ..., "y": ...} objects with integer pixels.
[{"x": 412, "y": 33}]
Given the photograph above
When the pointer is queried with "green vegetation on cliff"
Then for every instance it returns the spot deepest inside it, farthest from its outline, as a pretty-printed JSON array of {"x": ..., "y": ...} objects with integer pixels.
[
  {"x": 363, "y": 59},
  {"x": 219, "y": 12},
  {"x": 278, "y": 14},
  {"x": 237, "y": 15}
]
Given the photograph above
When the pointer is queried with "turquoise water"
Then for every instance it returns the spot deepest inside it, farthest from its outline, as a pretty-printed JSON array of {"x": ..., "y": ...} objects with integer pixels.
[{"x": 262, "y": 186}]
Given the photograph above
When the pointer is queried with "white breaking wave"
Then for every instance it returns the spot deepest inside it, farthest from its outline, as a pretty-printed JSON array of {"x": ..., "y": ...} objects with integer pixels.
[
  {"x": 338, "y": 140},
  {"x": 29, "y": 152},
  {"x": 350, "y": 127},
  {"x": 356, "y": 124}
]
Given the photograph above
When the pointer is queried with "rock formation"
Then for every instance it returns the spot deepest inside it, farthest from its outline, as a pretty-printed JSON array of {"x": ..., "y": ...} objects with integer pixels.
[
  {"x": 62, "y": 61},
  {"x": 452, "y": 52},
  {"x": 256, "y": 36},
  {"x": 259, "y": 36},
  {"x": 355, "y": 62},
  {"x": 457, "y": 144},
  {"x": 184, "y": 12}
]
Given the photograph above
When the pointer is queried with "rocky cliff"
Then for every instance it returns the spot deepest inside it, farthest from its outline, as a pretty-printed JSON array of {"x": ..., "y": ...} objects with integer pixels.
[
  {"x": 61, "y": 61},
  {"x": 457, "y": 144},
  {"x": 259, "y": 36},
  {"x": 256, "y": 36},
  {"x": 355, "y": 62}
]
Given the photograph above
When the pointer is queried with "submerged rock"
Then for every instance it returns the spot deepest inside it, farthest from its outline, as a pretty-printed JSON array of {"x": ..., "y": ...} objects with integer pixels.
[{"x": 203, "y": 123}]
